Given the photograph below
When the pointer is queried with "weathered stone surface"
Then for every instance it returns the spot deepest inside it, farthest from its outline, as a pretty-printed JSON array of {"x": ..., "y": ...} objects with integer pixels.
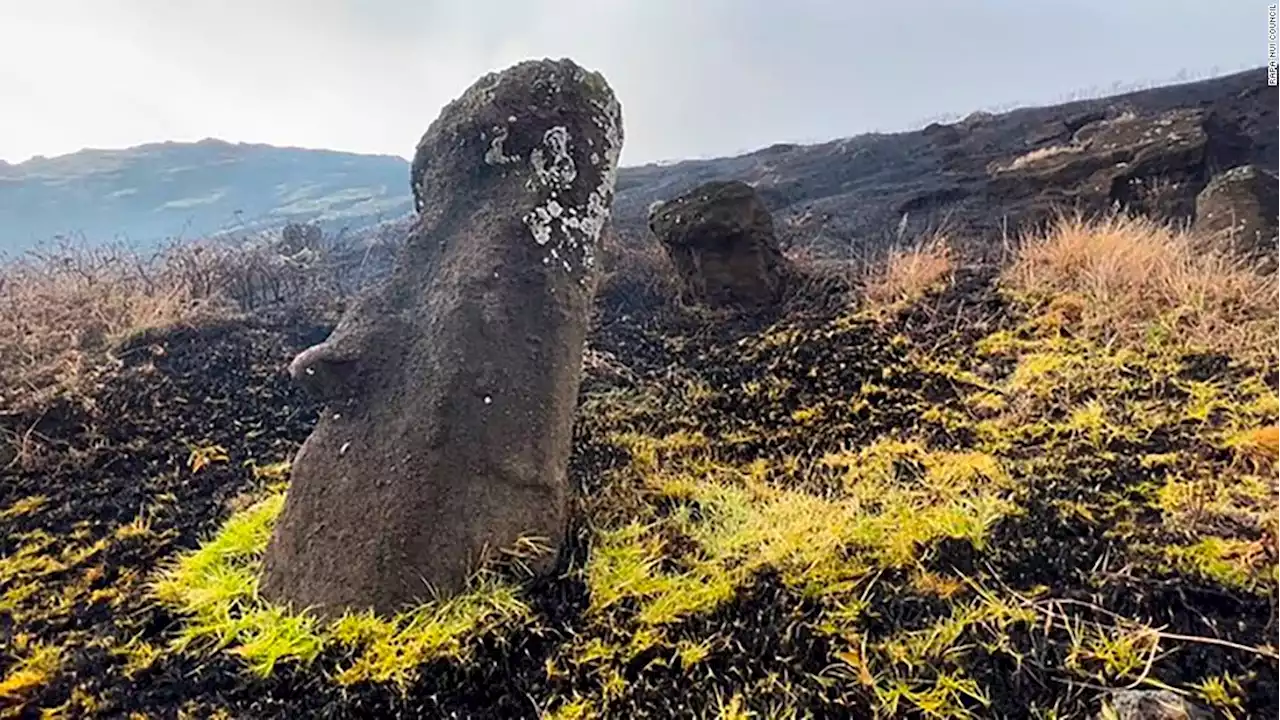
[
  {"x": 1149, "y": 164},
  {"x": 720, "y": 238},
  {"x": 1152, "y": 705},
  {"x": 1240, "y": 206},
  {"x": 451, "y": 388}
]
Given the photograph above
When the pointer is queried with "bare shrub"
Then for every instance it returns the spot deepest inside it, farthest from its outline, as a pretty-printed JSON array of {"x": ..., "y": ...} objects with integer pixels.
[
  {"x": 66, "y": 307},
  {"x": 61, "y": 305}
]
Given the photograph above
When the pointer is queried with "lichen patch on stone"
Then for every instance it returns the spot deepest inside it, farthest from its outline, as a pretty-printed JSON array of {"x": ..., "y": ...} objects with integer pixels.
[
  {"x": 569, "y": 230},
  {"x": 496, "y": 155},
  {"x": 554, "y": 167}
]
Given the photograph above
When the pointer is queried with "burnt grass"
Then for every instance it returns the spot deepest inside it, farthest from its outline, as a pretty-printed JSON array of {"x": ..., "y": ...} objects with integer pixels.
[{"x": 127, "y": 452}]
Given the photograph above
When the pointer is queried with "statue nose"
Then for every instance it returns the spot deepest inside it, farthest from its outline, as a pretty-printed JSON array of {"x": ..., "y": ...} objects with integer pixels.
[{"x": 323, "y": 375}]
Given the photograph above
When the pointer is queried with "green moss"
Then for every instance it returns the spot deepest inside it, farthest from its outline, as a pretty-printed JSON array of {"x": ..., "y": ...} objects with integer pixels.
[
  {"x": 577, "y": 708},
  {"x": 1204, "y": 398},
  {"x": 821, "y": 545},
  {"x": 732, "y": 708},
  {"x": 1221, "y": 692},
  {"x": 1110, "y": 654}
]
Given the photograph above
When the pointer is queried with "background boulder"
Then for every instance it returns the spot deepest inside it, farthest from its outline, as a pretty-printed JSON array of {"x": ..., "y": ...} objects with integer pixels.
[
  {"x": 1240, "y": 207},
  {"x": 720, "y": 238}
]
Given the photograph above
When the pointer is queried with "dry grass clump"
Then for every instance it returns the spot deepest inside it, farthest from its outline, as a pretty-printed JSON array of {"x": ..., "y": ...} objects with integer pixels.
[
  {"x": 908, "y": 274},
  {"x": 1136, "y": 278},
  {"x": 1037, "y": 155},
  {"x": 61, "y": 308},
  {"x": 1259, "y": 448},
  {"x": 65, "y": 308}
]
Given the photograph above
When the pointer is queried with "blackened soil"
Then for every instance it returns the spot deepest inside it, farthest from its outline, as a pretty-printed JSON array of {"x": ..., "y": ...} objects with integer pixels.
[
  {"x": 125, "y": 457},
  {"x": 128, "y": 455}
]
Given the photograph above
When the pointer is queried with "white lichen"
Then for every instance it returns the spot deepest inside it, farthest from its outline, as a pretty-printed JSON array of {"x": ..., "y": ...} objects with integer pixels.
[
  {"x": 482, "y": 92},
  {"x": 554, "y": 168},
  {"x": 541, "y": 230},
  {"x": 573, "y": 227},
  {"x": 496, "y": 155}
]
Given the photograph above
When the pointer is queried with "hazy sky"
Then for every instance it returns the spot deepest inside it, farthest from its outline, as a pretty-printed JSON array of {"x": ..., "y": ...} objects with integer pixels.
[{"x": 696, "y": 78}]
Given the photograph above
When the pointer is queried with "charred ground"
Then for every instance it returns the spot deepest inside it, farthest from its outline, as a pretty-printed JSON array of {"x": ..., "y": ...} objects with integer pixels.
[
  {"x": 931, "y": 488},
  {"x": 1039, "y": 576}
]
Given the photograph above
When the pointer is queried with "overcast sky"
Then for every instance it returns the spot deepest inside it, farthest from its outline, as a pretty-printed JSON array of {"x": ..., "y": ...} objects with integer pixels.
[{"x": 696, "y": 78}]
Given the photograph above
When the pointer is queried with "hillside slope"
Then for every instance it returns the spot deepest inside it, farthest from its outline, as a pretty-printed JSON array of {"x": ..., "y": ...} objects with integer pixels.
[
  {"x": 855, "y": 191},
  {"x": 838, "y": 195}
]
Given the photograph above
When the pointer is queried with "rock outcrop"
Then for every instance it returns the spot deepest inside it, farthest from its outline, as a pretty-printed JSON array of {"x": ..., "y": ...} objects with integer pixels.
[
  {"x": 851, "y": 195},
  {"x": 451, "y": 388},
  {"x": 1152, "y": 165},
  {"x": 720, "y": 238},
  {"x": 1152, "y": 705},
  {"x": 1239, "y": 206}
]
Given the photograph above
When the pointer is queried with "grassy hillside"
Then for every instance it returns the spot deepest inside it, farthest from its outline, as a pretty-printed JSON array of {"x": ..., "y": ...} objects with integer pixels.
[
  {"x": 150, "y": 193},
  {"x": 920, "y": 489}
]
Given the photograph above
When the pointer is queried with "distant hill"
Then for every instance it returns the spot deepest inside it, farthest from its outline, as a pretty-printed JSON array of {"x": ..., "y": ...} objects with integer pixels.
[
  {"x": 836, "y": 195},
  {"x": 152, "y": 192}
]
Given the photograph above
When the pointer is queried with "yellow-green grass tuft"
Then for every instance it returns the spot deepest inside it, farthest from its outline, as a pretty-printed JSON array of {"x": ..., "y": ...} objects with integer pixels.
[
  {"x": 36, "y": 664},
  {"x": 216, "y": 588},
  {"x": 24, "y": 506},
  {"x": 896, "y": 499}
]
